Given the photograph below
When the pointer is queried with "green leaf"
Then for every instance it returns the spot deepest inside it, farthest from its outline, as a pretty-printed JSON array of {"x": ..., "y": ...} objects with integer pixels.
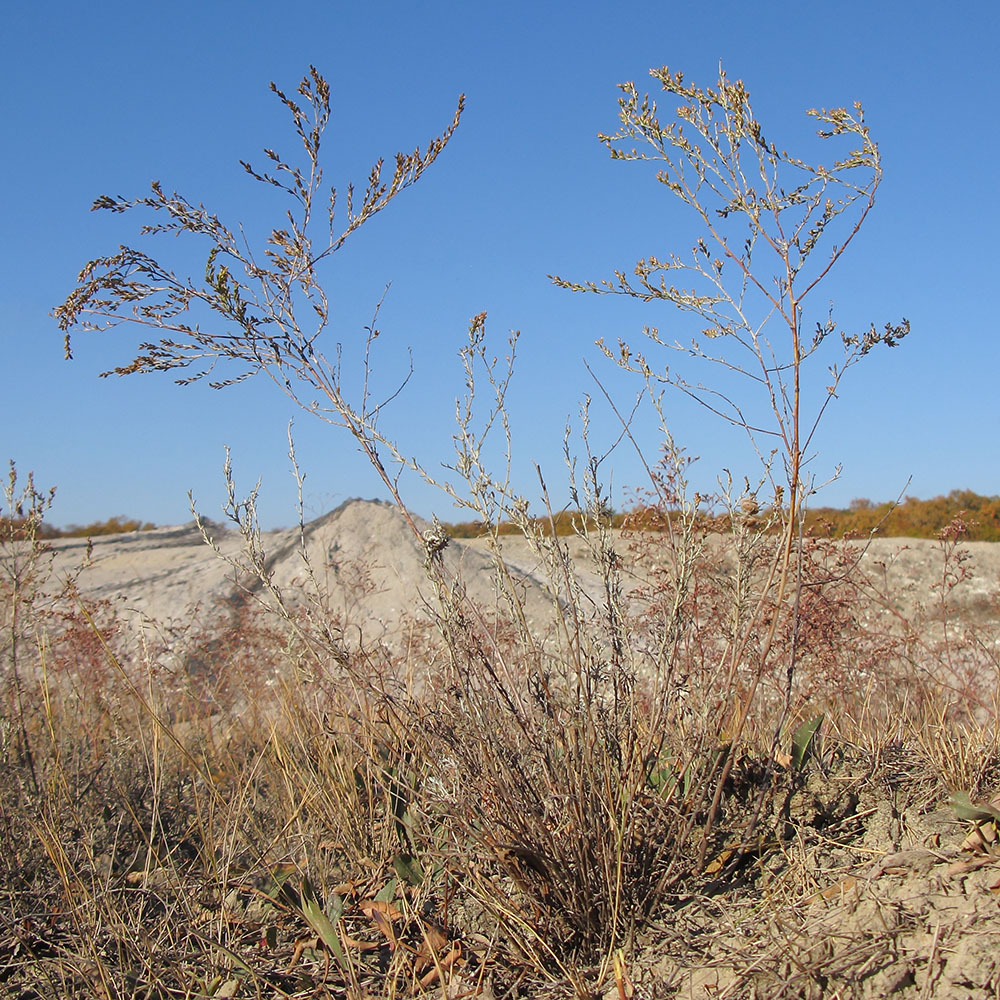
[
  {"x": 670, "y": 779},
  {"x": 408, "y": 869},
  {"x": 399, "y": 801},
  {"x": 964, "y": 809},
  {"x": 323, "y": 925},
  {"x": 803, "y": 739},
  {"x": 388, "y": 893},
  {"x": 277, "y": 890}
]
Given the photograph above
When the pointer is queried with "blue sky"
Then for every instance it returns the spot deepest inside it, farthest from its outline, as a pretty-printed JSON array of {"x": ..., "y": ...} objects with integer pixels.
[{"x": 104, "y": 98}]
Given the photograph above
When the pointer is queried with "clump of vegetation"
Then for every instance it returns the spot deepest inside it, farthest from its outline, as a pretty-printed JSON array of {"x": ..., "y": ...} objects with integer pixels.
[
  {"x": 118, "y": 525},
  {"x": 18, "y": 527},
  {"x": 912, "y": 518},
  {"x": 505, "y": 806}
]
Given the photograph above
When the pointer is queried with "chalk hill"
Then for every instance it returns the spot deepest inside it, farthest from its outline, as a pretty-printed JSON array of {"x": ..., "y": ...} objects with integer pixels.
[{"x": 362, "y": 555}]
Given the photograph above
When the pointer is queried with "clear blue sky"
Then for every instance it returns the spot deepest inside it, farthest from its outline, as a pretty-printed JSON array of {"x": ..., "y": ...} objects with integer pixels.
[{"x": 103, "y": 98}]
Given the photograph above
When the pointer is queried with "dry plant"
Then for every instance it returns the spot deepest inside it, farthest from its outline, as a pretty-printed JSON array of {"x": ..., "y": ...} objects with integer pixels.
[
  {"x": 523, "y": 812},
  {"x": 773, "y": 227},
  {"x": 23, "y": 564}
]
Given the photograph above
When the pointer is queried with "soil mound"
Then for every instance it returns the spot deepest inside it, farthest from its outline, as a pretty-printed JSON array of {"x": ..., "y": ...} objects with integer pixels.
[{"x": 361, "y": 559}]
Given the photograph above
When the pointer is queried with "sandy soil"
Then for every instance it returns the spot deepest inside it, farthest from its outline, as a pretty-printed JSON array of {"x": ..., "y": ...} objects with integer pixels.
[
  {"x": 362, "y": 556},
  {"x": 367, "y": 559}
]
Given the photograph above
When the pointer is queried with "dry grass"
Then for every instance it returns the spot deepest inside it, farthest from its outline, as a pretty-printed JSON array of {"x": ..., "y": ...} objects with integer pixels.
[{"x": 267, "y": 816}]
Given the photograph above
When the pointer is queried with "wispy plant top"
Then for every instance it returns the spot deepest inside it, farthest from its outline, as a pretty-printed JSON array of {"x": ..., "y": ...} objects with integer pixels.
[
  {"x": 263, "y": 309},
  {"x": 772, "y": 226}
]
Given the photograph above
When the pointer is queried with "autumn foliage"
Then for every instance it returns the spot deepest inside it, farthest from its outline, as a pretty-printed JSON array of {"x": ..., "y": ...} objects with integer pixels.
[
  {"x": 118, "y": 525},
  {"x": 911, "y": 518}
]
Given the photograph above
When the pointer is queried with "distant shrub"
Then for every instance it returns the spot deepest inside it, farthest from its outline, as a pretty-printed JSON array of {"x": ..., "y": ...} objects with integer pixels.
[
  {"x": 912, "y": 518},
  {"x": 562, "y": 524},
  {"x": 118, "y": 525}
]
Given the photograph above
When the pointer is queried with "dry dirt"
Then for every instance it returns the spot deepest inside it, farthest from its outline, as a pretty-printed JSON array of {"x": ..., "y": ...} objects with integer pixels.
[
  {"x": 362, "y": 555},
  {"x": 890, "y": 898}
]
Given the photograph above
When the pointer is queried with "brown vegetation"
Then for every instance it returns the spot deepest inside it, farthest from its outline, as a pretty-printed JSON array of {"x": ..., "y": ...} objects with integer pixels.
[
  {"x": 17, "y": 527},
  {"x": 239, "y": 808},
  {"x": 912, "y": 518},
  {"x": 909, "y": 518}
]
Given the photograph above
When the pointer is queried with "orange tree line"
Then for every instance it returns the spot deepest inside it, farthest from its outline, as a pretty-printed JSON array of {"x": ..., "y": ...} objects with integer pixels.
[{"x": 912, "y": 518}]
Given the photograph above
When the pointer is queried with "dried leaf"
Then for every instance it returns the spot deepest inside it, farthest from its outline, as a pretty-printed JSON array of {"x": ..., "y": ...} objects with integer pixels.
[
  {"x": 370, "y": 906},
  {"x": 358, "y": 944},
  {"x": 444, "y": 964},
  {"x": 980, "y": 838},
  {"x": 434, "y": 942},
  {"x": 382, "y": 914},
  {"x": 719, "y": 861},
  {"x": 972, "y": 864},
  {"x": 836, "y": 891},
  {"x": 308, "y": 942},
  {"x": 386, "y": 928}
]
